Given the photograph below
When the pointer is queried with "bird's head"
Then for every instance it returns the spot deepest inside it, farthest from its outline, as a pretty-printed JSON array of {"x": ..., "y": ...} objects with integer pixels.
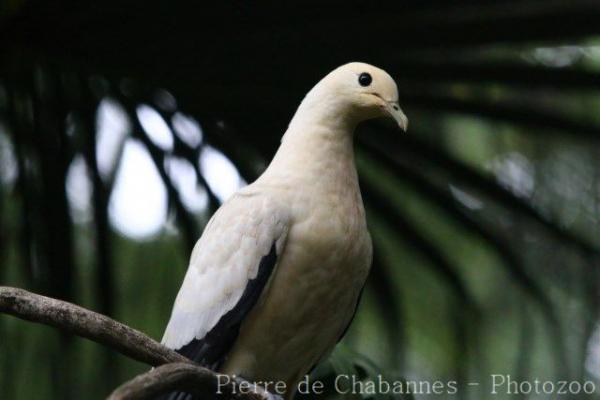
[{"x": 364, "y": 92}]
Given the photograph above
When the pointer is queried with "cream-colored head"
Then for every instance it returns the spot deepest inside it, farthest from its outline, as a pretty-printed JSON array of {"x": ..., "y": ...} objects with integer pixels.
[{"x": 358, "y": 91}]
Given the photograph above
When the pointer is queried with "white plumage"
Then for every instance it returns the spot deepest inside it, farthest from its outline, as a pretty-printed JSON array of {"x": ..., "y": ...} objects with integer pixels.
[
  {"x": 223, "y": 261},
  {"x": 274, "y": 280}
]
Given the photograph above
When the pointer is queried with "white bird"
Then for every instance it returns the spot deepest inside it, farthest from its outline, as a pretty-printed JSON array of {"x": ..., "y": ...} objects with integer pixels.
[{"x": 274, "y": 281}]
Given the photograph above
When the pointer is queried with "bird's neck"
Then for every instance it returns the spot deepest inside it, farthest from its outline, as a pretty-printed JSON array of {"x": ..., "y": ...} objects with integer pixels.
[
  {"x": 322, "y": 109},
  {"x": 317, "y": 148}
]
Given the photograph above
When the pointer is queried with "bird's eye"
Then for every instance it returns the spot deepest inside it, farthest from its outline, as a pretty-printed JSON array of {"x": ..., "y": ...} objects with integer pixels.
[{"x": 365, "y": 79}]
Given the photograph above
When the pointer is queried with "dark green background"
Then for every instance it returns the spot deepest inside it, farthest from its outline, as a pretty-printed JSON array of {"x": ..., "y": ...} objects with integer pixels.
[{"x": 474, "y": 273}]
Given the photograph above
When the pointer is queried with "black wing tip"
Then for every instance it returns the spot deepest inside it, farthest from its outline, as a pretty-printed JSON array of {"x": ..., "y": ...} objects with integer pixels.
[{"x": 211, "y": 350}]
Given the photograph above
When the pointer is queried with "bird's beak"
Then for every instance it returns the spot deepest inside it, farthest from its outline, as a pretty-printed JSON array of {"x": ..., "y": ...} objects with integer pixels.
[{"x": 396, "y": 112}]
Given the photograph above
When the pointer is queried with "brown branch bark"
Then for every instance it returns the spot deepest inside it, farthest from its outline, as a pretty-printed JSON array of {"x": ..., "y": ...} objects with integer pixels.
[
  {"x": 191, "y": 379},
  {"x": 71, "y": 318},
  {"x": 177, "y": 373}
]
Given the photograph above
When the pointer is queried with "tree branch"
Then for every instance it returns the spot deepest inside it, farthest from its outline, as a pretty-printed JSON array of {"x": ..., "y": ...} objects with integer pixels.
[
  {"x": 177, "y": 373},
  {"x": 85, "y": 323},
  {"x": 190, "y": 378}
]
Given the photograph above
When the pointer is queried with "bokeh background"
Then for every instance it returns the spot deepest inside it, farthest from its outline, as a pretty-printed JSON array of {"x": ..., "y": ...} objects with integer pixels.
[{"x": 124, "y": 125}]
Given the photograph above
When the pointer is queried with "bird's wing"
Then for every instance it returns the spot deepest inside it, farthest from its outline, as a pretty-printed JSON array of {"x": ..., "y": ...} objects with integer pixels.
[{"x": 229, "y": 268}]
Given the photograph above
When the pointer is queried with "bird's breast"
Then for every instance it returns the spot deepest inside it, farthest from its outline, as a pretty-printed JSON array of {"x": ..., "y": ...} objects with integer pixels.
[{"x": 312, "y": 295}]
